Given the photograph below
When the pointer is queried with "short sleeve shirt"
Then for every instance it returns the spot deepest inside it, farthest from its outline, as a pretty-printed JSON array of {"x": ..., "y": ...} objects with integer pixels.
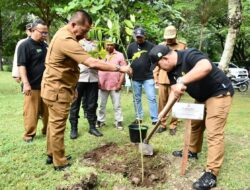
[
  {"x": 31, "y": 54},
  {"x": 62, "y": 71},
  {"x": 214, "y": 84},
  {"x": 110, "y": 80}
]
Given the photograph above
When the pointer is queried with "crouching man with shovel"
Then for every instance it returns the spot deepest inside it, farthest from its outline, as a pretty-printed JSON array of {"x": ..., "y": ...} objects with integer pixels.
[{"x": 190, "y": 70}]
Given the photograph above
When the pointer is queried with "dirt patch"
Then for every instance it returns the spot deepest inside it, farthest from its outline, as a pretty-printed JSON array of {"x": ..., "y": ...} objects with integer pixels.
[
  {"x": 85, "y": 184},
  {"x": 126, "y": 160}
]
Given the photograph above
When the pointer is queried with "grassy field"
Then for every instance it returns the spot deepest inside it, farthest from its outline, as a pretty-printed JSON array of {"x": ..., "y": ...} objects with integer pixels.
[{"x": 22, "y": 165}]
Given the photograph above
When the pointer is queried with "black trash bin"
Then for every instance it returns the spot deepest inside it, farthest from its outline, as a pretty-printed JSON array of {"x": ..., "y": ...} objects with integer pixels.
[{"x": 134, "y": 132}]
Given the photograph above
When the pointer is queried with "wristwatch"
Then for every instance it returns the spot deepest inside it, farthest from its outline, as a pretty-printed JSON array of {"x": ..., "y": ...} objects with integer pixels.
[
  {"x": 118, "y": 67},
  {"x": 179, "y": 80}
]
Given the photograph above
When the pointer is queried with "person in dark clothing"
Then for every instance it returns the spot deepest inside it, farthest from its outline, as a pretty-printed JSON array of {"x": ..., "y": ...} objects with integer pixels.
[
  {"x": 142, "y": 76},
  {"x": 31, "y": 62},
  {"x": 190, "y": 70},
  {"x": 87, "y": 88}
]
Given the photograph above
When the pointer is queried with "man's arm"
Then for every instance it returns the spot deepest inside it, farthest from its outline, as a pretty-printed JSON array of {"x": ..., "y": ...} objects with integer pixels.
[
  {"x": 101, "y": 65},
  {"x": 199, "y": 71},
  {"x": 26, "y": 84}
]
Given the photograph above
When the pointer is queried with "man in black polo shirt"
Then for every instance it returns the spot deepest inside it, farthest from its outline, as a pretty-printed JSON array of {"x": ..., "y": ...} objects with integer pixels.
[
  {"x": 190, "y": 70},
  {"x": 30, "y": 59},
  {"x": 143, "y": 76}
]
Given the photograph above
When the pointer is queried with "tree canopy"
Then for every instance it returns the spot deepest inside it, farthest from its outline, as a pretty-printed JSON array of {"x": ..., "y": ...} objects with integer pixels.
[{"x": 202, "y": 24}]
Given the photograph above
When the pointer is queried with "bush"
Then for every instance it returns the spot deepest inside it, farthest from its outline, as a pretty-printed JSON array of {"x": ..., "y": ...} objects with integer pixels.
[{"x": 7, "y": 68}]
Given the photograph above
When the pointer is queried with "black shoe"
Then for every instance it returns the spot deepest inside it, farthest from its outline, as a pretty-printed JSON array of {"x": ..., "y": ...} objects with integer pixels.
[
  {"x": 172, "y": 131},
  {"x": 137, "y": 121},
  {"x": 207, "y": 181},
  {"x": 50, "y": 159},
  {"x": 95, "y": 132},
  {"x": 73, "y": 133},
  {"x": 190, "y": 154},
  {"x": 119, "y": 125},
  {"x": 62, "y": 168},
  {"x": 154, "y": 122},
  {"x": 100, "y": 124},
  {"x": 161, "y": 129}
]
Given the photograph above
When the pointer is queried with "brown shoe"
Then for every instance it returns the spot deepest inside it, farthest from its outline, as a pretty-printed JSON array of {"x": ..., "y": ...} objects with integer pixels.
[{"x": 172, "y": 131}]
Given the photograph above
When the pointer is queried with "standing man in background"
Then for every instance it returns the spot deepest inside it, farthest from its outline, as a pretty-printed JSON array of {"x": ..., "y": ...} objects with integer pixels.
[
  {"x": 15, "y": 70},
  {"x": 110, "y": 83},
  {"x": 60, "y": 80},
  {"x": 142, "y": 76},
  {"x": 162, "y": 81},
  {"x": 87, "y": 88},
  {"x": 31, "y": 62}
]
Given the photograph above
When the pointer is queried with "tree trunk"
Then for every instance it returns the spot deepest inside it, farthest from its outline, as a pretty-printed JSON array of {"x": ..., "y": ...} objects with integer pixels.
[
  {"x": 1, "y": 41},
  {"x": 234, "y": 16}
]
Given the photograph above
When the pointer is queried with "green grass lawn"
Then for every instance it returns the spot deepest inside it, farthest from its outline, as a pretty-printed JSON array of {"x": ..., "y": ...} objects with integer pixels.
[{"x": 22, "y": 165}]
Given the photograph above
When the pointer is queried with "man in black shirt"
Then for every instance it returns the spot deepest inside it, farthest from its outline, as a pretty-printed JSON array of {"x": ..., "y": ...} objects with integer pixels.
[
  {"x": 142, "y": 76},
  {"x": 190, "y": 70},
  {"x": 30, "y": 59}
]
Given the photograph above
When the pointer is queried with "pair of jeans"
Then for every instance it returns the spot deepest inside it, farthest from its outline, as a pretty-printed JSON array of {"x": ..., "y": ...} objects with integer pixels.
[
  {"x": 149, "y": 87},
  {"x": 88, "y": 95}
]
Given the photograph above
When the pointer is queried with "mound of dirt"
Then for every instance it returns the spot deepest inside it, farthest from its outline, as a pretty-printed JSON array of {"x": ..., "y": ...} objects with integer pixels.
[{"x": 126, "y": 160}]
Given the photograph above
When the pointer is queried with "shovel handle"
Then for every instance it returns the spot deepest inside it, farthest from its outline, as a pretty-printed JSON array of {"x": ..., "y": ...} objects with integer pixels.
[{"x": 165, "y": 111}]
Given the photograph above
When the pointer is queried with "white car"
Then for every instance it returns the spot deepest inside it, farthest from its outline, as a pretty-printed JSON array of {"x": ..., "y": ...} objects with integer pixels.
[{"x": 235, "y": 71}]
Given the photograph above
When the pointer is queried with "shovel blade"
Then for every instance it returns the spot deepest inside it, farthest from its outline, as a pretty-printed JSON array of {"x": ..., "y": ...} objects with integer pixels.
[{"x": 146, "y": 149}]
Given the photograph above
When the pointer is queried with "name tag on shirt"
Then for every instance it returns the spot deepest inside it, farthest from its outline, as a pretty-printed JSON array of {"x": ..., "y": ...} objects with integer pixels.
[{"x": 188, "y": 111}]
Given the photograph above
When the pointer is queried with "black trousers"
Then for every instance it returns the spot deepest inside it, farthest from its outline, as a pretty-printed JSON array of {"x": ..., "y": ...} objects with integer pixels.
[{"x": 88, "y": 95}]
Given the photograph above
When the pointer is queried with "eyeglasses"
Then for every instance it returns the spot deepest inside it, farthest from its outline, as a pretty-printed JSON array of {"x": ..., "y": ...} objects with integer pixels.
[{"x": 43, "y": 33}]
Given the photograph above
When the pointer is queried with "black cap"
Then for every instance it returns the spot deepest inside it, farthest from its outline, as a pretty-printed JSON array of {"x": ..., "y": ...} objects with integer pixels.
[
  {"x": 139, "y": 32},
  {"x": 158, "y": 52}
]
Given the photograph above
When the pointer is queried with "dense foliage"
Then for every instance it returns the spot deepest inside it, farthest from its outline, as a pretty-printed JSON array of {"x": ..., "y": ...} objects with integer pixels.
[{"x": 201, "y": 23}]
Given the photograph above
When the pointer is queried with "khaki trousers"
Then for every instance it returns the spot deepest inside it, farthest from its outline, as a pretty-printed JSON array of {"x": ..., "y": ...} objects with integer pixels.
[
  {"x": 58, "y": 114},
  {"x": 216, "y": 112},
  {"x": 33, "y": 106},
  {"x": 163, "y": 91}
]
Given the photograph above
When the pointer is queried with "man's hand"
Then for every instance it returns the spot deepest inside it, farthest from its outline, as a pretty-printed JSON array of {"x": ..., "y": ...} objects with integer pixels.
[
  {"x": 126, "y": 69},
  {"x": 26, "y": 89},
  {"x": 178, "y": 90}
]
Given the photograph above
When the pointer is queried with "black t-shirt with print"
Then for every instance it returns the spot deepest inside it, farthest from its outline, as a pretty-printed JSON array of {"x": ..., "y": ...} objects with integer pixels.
[
  {"x": 214, "y": 84},
  {"x": 142, "y": 67},
  {"x": 31, "y": 54}
]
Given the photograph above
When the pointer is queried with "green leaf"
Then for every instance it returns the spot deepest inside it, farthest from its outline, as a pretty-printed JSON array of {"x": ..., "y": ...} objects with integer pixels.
[
  {"x": 99, "y": 35},
  {"x": 109, "y": 23},
  {"x": 129, "y": 24},
  {"x": 132, "y": 18},
  {"x": 102, "y": 53},
  {"x": 129, "y": 31},
  {"x": 138, "y": 54}
]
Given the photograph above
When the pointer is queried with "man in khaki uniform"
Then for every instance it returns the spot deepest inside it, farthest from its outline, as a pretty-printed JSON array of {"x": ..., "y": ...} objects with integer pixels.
[
  {"x": 161, "y": 77},
  {"x": 60, "y": 79},
  {"x": 31, "y": 55}
]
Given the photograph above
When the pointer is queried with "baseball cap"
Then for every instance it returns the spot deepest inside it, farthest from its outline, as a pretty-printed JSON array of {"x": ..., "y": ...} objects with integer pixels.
[
  {"x": 169, "y": 32},
  {"x": 28, "y": 26},
  {"x": 158, "y": 52},
  {"x": 139, "y": 32}
]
